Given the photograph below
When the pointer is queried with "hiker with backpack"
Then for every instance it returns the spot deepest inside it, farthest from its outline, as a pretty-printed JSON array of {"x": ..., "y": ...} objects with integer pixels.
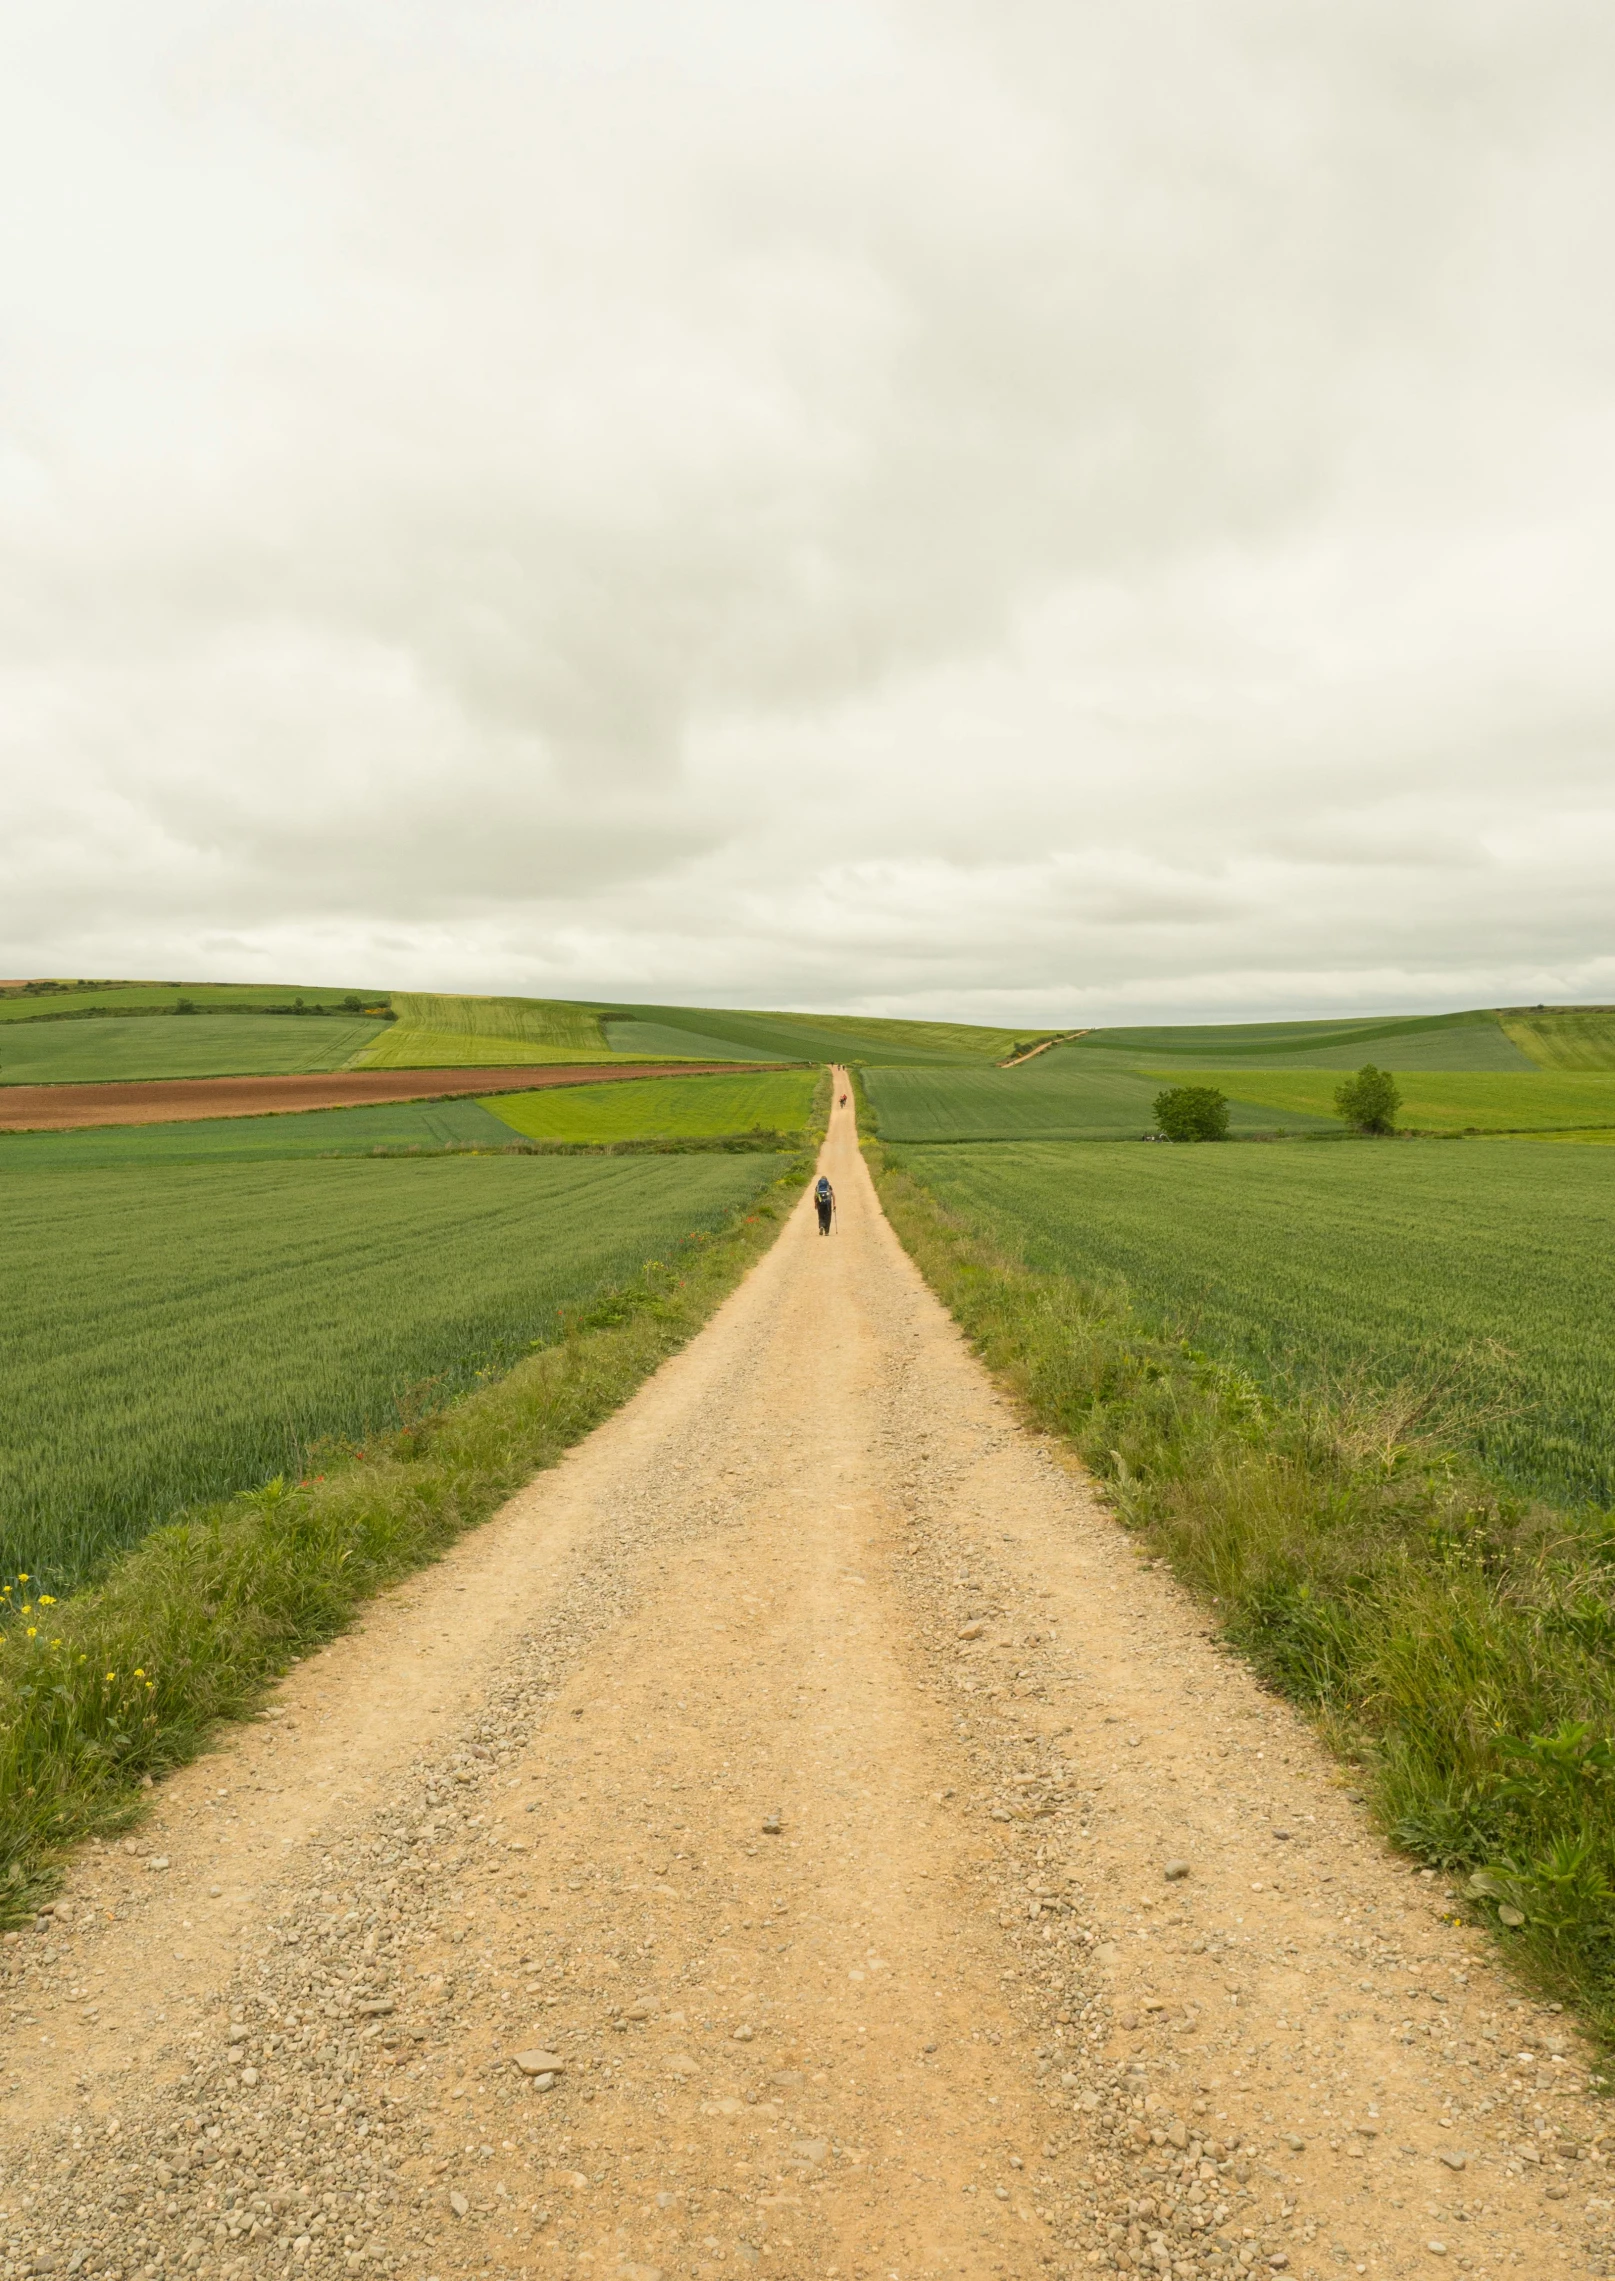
[{"x": 824, "y": 1199}]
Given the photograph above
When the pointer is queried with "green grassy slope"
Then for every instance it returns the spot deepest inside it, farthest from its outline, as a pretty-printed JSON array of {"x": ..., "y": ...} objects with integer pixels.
[
  {"x": 448, "y": 1032},
  {"x": 404, "y": 1047},
  {"x": 662, "y": 1108},
  {"x": 662, "y": 1041},
  {"x": 180, "y": 1331},
  {"x": 1564, "y": 1037},
  {"x": 828, "y": 1037},
  {"x": 1424, "y": 1041},
  {"x": 1062, "y": 1095},
  {"x": 201, "y": 1045},
  {"x": 1452, "y": 1101},
  {"x": 384, "y": 1125},
  {"x": 149, "y": 998},
  {"x": 1490, "y": 1266}
]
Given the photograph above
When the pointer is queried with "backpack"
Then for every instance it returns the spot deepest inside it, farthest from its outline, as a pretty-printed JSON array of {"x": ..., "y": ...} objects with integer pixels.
[{"x": 823, "y": 1188}]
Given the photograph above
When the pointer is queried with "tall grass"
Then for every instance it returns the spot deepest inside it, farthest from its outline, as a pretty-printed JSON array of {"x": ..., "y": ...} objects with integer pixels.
[
  {"x": 1454, "y": 1637},
  {"x": 130, "y": 1679}
]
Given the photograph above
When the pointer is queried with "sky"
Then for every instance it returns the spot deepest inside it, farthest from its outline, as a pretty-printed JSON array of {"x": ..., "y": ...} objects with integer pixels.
[{"x": 1034, "y": 511}]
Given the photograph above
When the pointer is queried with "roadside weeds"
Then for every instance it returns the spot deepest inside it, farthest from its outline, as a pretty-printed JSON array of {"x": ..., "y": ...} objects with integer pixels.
[{"x": 1450, "y": 1638}]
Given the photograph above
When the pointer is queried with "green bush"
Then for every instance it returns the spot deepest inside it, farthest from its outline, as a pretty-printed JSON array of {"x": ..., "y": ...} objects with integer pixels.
[
  {"x": 1370, "y": 1100},
  {"x": 1192, "y": 1113}
]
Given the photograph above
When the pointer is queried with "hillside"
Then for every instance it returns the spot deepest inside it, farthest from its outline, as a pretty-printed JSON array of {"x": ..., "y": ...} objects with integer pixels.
[{"x": 94, "y": 1031}]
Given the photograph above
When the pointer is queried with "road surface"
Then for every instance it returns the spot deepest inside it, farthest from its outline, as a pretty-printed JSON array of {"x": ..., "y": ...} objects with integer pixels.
[{"x": 758, "y": 1850}]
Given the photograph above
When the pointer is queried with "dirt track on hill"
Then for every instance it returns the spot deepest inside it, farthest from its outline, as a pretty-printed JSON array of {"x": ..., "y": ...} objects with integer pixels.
[
  {"x": 178, "y": 1100},
  {"x": 797, "y": 1768}
]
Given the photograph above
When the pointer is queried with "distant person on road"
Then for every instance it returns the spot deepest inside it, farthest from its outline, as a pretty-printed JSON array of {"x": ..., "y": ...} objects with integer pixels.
[
  {"x": 843, "y": 1100},
  {"x": 824, "y": 1198}
]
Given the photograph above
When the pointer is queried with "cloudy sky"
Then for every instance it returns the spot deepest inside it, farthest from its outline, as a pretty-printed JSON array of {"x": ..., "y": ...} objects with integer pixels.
[{"x": 1051, "y": 509}]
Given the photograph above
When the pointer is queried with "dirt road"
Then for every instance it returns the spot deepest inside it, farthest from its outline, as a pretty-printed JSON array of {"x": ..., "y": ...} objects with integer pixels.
[{"x": 758, "y": 1850}]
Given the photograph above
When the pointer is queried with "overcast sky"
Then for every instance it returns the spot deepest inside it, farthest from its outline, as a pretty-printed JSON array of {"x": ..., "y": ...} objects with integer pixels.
[{"x": 1048, "y": 509}]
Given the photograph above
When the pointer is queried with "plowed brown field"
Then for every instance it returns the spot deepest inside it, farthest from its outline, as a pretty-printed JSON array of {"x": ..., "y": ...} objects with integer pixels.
[{"x": 64, "y": 1108}]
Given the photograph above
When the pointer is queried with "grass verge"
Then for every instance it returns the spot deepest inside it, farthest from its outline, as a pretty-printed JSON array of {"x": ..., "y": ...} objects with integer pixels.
[
  {"x": 191, "y": 1626},
  {"x": 1452, "y": 1638}
]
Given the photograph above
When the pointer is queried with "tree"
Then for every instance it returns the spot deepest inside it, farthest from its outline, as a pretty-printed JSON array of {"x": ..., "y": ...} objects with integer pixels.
[
  {"x": 1370, "y": 1100},
  {"x": 1192, "y": 1113}
]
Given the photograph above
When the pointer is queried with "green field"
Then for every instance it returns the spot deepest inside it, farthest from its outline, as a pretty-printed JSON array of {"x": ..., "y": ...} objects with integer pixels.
[
  {"x": 662, "y": 1108},
  {"x": 386, "y": 1126},
  {"x": 817, "y": 1037},
  {"x": 441, "y": 1032},
  {"x": 1442, "y": 1101},
  {"x": 1419, "y": 1041},
  {"x": 179, "y": 1331},
  {"x": 1488, "y": 1264},
  {"x": 660, "y": 1041},
  {"x": 1062, "y": 1095},
  {"x": 403, "y": 1047},
  {"x": 200, "y": 1045},
  {"x": 1564, "y": 1037},
  {"x": 470, "y": 1032},
  {"x": 148, "y": 998}
]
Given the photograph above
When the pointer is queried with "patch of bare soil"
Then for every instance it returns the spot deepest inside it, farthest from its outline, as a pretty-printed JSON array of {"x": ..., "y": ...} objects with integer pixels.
[
  {"x": 175, "y": 1100},
  {"x": 796, "y": 1837}
]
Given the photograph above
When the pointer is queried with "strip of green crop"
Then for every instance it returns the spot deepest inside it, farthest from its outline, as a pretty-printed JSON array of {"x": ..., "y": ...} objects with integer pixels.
[
  {"x": 1567, "y": 1037},
  {"x": 110, "y": 1049},
  {"x": 666, "y": 1108},
  {"x": 406, "y": 1046},
  {"x": 191, "y": 1626},
  {"x": 1453, "y": 1638}
]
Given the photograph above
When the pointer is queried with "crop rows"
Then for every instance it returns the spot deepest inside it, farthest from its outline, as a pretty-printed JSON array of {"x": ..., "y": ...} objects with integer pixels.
[
  {"x": 1451, "y": 1101},
  {"x": 200, "y": 1045},
  {"x": 662, "y": 1108},
  {"x": 179, "y": 1331},
  {"x": 1479, "y": 1270},
  {"x": 1476, "y": 1040},
  {"x": 376, "y": 1128},
  {"x": 1062, "y": 1095}
]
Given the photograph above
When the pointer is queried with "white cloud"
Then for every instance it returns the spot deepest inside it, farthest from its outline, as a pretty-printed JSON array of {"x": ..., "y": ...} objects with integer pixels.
[{"x": 1046, "y": 509}]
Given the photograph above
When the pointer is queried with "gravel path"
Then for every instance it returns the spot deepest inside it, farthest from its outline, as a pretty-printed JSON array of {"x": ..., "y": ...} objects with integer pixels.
[{"x": 798, "y": 1835}]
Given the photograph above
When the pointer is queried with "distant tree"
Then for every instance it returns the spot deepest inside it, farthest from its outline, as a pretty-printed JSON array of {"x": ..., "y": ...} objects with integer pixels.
[
  {"x": 1369, "y": 1101},
  {"x": 1192, "y": 1113},
  {"x": 353, "y": 1003},
  {"x": 185, "y": 1006}
]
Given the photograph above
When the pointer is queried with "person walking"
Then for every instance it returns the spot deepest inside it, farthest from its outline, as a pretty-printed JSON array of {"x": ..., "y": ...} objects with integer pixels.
[{"x": 824, "y": 1198}]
